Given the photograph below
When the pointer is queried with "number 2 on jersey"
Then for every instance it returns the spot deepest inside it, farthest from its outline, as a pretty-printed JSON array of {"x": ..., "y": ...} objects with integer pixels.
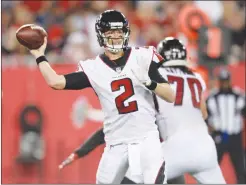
[
  {"x": 193, "y": 83},
  {"x": 129, "y": 91}
]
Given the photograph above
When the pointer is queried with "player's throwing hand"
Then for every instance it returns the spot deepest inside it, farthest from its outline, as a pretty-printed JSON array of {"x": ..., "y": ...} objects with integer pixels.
[{"x": 40, "y": 51}]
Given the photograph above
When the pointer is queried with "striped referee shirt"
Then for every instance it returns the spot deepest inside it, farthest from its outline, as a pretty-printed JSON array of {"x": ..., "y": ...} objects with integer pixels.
[{"x": 225, "y": 110}]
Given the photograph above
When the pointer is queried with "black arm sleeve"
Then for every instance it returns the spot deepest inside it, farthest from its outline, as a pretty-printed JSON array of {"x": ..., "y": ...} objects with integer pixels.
[
  {"x": 154, "y": 73},
  {"x": 76, "y": 81},
  {"x": 94, "y": 141}
]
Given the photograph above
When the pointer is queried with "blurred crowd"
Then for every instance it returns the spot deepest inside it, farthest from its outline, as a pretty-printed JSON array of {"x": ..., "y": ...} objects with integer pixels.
[{"x": 71, "y": 25}]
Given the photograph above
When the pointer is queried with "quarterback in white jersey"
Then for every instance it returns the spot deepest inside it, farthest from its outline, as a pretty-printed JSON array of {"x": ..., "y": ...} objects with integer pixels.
[{"x": 124, "y": 80}]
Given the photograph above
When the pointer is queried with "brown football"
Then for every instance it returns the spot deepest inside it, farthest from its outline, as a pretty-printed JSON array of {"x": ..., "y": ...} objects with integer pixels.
[{"x": 31, "y": 36}]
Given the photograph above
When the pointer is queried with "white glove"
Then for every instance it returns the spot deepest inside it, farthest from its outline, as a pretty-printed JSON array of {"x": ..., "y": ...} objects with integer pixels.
[{"x": 141, "y": 75}]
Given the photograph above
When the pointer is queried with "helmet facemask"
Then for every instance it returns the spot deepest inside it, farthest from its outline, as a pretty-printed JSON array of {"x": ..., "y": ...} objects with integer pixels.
[
  {"x": 115, "y": 44},
  {"x": 173, "y": 52},
  {"x": 114, "y": 21}
]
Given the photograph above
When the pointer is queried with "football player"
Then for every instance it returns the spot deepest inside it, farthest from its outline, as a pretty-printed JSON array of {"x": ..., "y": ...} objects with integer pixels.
[
  {"x": 124, "y": 80},
  {"x": 187, "y": 145}
]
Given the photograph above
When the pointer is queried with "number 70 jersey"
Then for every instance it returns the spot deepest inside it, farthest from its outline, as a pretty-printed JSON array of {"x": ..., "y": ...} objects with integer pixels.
[
  {"x": 185, "y": 111},
  {"x": 127, "y": 104}
]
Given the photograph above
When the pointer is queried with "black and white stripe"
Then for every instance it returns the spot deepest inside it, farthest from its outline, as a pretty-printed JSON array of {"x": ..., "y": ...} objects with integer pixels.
[{"x": 225, "y": 111}]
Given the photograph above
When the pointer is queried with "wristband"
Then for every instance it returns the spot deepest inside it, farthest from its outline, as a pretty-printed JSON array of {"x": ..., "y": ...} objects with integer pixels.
[
  {"x": 41, "y": 59},
  {"x": 152, "y": 86}
]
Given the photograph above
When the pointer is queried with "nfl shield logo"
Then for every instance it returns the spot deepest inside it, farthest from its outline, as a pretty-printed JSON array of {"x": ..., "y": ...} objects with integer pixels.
[{"x": 118, "y": 69}]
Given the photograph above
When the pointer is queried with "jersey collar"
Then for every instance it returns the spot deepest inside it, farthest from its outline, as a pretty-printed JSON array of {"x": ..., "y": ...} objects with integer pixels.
[{"x": 118, "y": 63}]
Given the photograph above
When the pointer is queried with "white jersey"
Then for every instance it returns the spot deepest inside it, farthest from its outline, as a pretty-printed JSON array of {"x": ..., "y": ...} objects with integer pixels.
[
  {"x": 185, "y": 111},
  {"x": 127, "y": 104}
]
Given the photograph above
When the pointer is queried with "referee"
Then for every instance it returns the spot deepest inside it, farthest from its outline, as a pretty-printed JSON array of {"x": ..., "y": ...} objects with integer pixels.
[{"x": 226, "y": 109}]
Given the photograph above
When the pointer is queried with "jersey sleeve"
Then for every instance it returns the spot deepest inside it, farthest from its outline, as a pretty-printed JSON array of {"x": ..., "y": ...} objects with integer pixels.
[
  {"x": 151, "y": 61},
  {"x": 156, "y": 62},
  {"x": 157, "y": 58},
  {"x": 149, "y": 54},
  {"x": 77, "y": 80},
  {"x": 79, "y": 67}
]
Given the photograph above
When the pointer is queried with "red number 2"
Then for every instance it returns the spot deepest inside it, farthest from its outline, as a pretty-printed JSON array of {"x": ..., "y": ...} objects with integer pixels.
[
  {"x": 193, "y": 84},
  {"x": 129, "y": 91}
]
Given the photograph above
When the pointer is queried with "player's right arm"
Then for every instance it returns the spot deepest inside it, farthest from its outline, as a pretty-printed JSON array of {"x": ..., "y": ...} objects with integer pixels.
[
  {"x": 94, "y": 141},
  {"x": 203, "y": 108},
  {"x": 77, "y": 80}
]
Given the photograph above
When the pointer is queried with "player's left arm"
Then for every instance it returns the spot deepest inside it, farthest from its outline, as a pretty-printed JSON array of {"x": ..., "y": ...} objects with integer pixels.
[
  {"x": 162, "y": 89},
  {"x": 148, "y": 75}
]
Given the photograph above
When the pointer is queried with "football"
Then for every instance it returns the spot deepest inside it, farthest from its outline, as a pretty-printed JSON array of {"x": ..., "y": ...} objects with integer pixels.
[{"x": 31, "y": 36}]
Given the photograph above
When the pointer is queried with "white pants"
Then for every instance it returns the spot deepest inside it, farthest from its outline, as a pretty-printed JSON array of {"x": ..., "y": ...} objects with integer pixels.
[
  {"x": 144, "y": 159},
  {"x": 190, "y": 152}
]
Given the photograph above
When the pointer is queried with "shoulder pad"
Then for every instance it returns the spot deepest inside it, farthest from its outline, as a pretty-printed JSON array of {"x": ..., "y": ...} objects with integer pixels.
[
  {"x": 145, "y": 48},
  {"x": 87, "y": 60}
]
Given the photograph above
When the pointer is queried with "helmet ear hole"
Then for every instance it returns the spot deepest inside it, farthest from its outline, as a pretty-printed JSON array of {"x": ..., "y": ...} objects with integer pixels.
[{"x": 100, "y": 41}]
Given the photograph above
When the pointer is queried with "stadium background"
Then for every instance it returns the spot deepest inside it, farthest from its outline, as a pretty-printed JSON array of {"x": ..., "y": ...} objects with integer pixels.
[{"x": 71, "y": 37}]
